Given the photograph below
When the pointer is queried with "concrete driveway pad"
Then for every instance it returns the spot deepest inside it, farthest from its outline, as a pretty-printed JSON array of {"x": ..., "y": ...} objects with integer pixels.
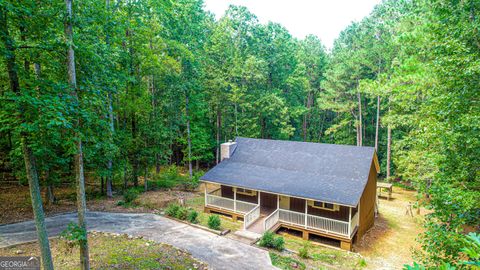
[{"x": 219, "y": 252}]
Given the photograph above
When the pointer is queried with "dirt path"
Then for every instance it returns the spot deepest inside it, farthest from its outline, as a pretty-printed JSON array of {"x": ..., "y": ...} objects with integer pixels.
[
  {"x": 219, "y": 252},
  {"x": 389, "y": 244}
]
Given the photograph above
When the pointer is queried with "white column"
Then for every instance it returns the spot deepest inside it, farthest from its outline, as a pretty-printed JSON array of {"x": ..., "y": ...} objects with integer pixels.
[
  {"x": 205, "y": 186},
  {"x": 258, "y": 197},
  {"x": 234, "y": 199},
  {"x": 350, "y": 222},
  {"x": 278, "y": 201},
  {"x": 306, "y": 213}
]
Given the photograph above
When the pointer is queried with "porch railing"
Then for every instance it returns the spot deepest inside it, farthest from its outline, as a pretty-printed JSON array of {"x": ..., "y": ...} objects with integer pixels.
[
  {"x": 251, "y": 216},
  {"x": 312, "y": 222},
  {"x": 271, "y": 220},
  {"x": 328, "y": 225},
  {"x": 229, "y": 204},
  {"x": 245, "y": 207},
  {"x": 220, "y": 202}
]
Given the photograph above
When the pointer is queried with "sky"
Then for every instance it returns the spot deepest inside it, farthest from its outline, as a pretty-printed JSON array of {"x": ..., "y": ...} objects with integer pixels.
[{"x": 323, "y": 18}]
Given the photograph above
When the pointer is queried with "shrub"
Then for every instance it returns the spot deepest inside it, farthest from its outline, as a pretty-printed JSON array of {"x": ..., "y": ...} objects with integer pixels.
[
  {"x": 130, "y": 195},
  {"x": 303, "y": 252},
  {"x": 181, "y": 213},
  {"x": 172, "y": 210},
  {"x": 192, "y": 217},
  {"x": 271, "y": 241},
  {"x": 73, "y": 235},
  {"x": 279, "y": 243},
  {"x": 214, "y": 222},
  {"x": 267, "y": 239}
]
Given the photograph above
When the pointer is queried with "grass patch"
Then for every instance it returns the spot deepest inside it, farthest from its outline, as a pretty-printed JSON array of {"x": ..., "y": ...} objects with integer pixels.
[
  {"x": 113, "y": 252},
  {"x": 197, "y": 203},
  {"x": 286, "y": 263},
  {"x": 319, "y": 255}
]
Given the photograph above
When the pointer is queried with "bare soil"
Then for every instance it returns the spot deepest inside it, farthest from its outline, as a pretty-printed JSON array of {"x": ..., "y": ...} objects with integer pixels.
[
  {"x": 389, "y": 244},
  {"x": 15, "y": 203}
]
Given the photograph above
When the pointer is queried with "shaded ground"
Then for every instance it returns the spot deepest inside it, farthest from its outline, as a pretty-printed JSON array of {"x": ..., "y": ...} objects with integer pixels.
[
  {"x": 15, "y": 203},
  {"x": 389, "y": 244},
  {"x": 113, "y": 251},
  {"x": 219, "y": 252}
]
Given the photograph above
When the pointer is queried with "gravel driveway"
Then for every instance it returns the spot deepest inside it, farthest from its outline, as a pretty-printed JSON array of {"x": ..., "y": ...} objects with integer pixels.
[{"x": 219, "y": 252}]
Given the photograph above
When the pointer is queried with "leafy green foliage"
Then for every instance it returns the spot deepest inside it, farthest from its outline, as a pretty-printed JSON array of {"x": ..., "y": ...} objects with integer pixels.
[
  {"x": 181, "y": 213},
  {"x": 270, "y": 240},
  {"x": 73, "y": 235},
  {"x": 286, "y": 263},
  {"x": 192, "y": 216},
  {"x": 172, "y": 209},
  {"x": 304, "y": 251},
  {"x": 214, "y": 222},
  {"x": 130, "y": 195}
]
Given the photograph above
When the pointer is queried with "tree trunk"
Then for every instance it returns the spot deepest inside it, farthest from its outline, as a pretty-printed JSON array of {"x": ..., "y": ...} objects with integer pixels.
[
  {"x": 29, "y": 158},
  {"x": 110, "y": 110},
  {"x": 389, "y": 150},
  {"x": 189, "y": 139},
  {"x": 145, "y": 178},
  {"x": 125, "y": 178},
  {"x": 134, "y": 154},
  {"x": 359, "y": 130},
  {"x": 102, "y": 185},
  {"x": 377, "y": 124},
  {"x": 50, "y": 195},
  {"x": 157, "y": 164},
  {"x": 219, "y": 121},
  {"x": 32, "y": 175},
  {"x": 79, "y": 173}
]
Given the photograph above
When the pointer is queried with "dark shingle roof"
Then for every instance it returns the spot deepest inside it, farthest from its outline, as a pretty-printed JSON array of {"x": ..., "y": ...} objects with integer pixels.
[{"x": 324, "y": 172}]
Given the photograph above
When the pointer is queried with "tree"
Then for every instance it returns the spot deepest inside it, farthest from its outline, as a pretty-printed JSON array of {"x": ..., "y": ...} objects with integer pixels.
[
  {"x": 79, "y": 169},
  {"x": 30, "y": 162}
]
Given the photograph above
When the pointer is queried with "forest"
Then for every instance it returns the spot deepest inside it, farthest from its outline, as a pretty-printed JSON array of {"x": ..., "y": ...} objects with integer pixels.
[{"x": 119, "y": 89}]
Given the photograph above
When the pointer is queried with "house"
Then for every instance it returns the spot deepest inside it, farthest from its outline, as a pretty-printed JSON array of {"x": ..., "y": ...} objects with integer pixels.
[{"x": 322, "y": 191}]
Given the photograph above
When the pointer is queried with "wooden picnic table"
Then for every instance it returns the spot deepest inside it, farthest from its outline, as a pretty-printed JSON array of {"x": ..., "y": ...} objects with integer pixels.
[{"x": 383, "y": 185}]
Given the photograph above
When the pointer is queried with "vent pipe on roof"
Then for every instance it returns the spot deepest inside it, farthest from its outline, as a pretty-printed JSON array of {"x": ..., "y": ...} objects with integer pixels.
[{"x": 227, "y": 149}]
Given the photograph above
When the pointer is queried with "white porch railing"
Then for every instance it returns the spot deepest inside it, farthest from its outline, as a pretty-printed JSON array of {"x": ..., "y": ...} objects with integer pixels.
[
  {"x": 271, "y": 220},
  {"x": 244, "y": 207},
  {"x": 219, "y": 202},
  {"x": 251, "y": 216},
  {"x": 313, "y": 222},
  {"x": 328, "y": 225},
  {"x": 229, "y": 204}
]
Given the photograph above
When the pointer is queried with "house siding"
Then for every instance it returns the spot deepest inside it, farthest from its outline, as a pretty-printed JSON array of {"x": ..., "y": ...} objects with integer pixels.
[{"x": 367, "y": 203}]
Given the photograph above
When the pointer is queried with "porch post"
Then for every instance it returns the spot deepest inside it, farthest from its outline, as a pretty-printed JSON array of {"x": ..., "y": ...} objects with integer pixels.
[
  {"x": 306, "y": 212},
  {"x": 278, "y": 201},
  {"x": 350, "y": 222},
  {"x": 234, "y": 199},
  {"x": 205, "y": 188},
  {"x": 259, "y": 197}
]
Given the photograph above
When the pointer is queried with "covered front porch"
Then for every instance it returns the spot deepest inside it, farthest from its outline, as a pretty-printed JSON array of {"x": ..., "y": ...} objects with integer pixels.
[{"x": 262, "y": 211}]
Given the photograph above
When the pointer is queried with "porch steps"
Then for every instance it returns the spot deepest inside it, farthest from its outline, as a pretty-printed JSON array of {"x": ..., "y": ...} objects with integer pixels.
[{"x": 246, "y": 236}]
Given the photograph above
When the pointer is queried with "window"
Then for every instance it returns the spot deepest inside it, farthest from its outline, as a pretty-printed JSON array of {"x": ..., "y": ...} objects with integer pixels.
[
  {"x": 245, "y": 191},
  {"x": 325, "y": 205},
  {"x": 317, "y": 204}
]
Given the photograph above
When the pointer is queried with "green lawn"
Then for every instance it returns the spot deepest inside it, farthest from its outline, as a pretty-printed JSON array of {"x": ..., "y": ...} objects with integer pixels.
[
  {"x": 319, "y": 257},
  {"x": 113, "y": 252},
  {"x": 197, "y": 203}
]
